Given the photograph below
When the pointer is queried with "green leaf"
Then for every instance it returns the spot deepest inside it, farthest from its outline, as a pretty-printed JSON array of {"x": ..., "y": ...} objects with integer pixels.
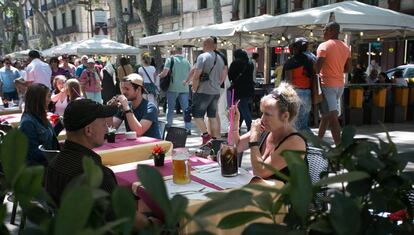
[
  {"x": 264, "y": 201},
  {"x": 276, "y": 172},
  {"x": 240, "y": 218},
  {"x": 202, "y": 233},
  {"x": 406, "y": 156},
  {"x": 321, "y": 225},
  {"x": 29, "y": 184},
  {"x": 348, "y": 133},
  {"x": 360, "y": 187},
  {"x": 124, "y": 207},
  {"x": 264, "y": 188},
  {"x": 300, "y": 184},
  {"x": 346, "y": 177},
  {"x": 408, "y": 175},
  {"x": 13, "y": 159},
  {"x": 179, "y": 205},
  {"x": 154, "y": 185},
  {"x": 214, "y": 195},
  {"x": 92, "y": 172},
  {"x": 277, "y": 205},
  {"x": 315, "y": 140},
  {"x": 344, "y": 215},
  {"x": 265, "y": 229},
  {"x": 226, "y": 202},
  {"x": 74, "y": 211},
  {"x": 111, "y": 225}
]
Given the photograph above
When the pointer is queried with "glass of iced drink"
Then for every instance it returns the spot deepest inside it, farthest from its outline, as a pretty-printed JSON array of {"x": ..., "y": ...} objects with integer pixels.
[{"x": 227, "y": 158}]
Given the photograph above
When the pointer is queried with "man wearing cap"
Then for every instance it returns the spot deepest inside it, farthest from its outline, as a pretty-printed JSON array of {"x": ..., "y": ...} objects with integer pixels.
[
  {"x": 82, "y": 66},
  {"x": 91, "y": 82},
  {"x": 298, "y": 71},
  {"x": 37, "y": 71},
  {"x": 139, "y": 114},
  {"x": 86, "y": 125},
  {"x": 333, "y": 60}
]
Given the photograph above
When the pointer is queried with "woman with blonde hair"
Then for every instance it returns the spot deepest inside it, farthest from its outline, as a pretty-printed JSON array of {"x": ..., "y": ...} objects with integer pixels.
[
  {"x": 151, "y": 80},
  {"x": 273, "y": 133}
]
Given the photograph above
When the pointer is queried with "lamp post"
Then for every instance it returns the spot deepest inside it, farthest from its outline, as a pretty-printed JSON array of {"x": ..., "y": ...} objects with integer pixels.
[{"x": 126, "y": 16}]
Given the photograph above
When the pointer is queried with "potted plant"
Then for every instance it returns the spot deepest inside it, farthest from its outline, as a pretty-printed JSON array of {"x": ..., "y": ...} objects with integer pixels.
[{"x": 158, "y": 154}]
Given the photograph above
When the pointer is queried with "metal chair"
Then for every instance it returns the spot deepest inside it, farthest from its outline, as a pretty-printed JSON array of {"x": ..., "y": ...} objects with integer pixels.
[
  {"x": 317, "y": 163},
  {"x": 178, "y": 136},
  {"x": 48, "y": 154},
  {"x": 161, "y": 126}
]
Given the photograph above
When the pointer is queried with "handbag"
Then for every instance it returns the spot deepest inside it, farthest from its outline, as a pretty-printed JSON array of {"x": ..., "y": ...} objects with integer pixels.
[
  {"x": 166, "y": 81},
  {"x": 206, "y": 76},
  {"x": 154, "y": 90}
]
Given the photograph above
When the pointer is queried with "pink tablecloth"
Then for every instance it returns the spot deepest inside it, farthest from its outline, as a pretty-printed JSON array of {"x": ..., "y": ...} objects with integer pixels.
[
  {"x": 121, "y": 141},
  {"x": 127, "y": 178},
  {"x": 16, "y": 117}
]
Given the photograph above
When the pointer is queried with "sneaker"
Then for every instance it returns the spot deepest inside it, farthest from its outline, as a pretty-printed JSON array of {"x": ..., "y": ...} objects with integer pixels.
[
  {"x": 188, "y": 131},
  {"x": 204, "y": 151},
  {"x": 205, "y": 138}
]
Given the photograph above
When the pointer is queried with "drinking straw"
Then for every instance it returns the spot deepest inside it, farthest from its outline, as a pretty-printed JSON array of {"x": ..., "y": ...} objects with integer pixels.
[{"x": 230, "y": 135}]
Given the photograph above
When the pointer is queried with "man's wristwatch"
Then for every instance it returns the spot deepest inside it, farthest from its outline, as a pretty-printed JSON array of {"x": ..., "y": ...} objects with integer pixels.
[
  {"x": 128, "y": 111},
  {"x": 254, "y": 143}
]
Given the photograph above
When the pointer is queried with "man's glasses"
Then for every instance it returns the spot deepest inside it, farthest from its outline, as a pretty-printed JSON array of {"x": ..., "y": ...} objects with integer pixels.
[{"x": 278, "y": 96}]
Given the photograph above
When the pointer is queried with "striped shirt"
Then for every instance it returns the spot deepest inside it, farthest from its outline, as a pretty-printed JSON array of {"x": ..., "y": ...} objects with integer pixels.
[{"x": 68, "y": 165}]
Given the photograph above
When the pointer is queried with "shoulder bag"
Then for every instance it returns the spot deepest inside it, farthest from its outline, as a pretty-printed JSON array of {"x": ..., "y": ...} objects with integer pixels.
[
  {"x": 154, "y": 89},
  {"x": 166, "y": 81}
]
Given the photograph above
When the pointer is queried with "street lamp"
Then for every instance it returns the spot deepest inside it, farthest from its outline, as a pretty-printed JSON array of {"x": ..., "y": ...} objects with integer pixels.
[{"x": 126, "y": 16}]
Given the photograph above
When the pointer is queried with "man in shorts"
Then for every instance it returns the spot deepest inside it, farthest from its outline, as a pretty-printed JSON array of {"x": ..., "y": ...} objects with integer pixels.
[
  {"x": 208, "y": 77},
  {"x": 333, "y": 60}
]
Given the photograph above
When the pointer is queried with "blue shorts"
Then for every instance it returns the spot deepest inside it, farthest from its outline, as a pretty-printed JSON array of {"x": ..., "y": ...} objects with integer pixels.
[
  {"x": 331, "y": 99},
  {"x": 203, "y": 103}
]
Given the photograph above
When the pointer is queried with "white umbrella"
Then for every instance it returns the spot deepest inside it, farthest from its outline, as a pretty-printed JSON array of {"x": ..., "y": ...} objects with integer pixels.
[
  {"x": 19, "y": 54},
  {"x": 101, "y": 45},
  {"x": 58, "y": 50},
  {"x": 351, "y": 15}
]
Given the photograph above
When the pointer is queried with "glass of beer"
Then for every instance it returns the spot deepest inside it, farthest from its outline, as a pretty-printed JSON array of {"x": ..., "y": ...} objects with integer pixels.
[
  {"x": 181, "y": 166},
  {"x": 227, "y": 158}
]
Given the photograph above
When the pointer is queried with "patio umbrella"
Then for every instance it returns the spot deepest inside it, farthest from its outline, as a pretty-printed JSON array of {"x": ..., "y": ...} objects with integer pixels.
[
  {"x": 58, "y": 50},
  {"x": 101, "y": 45}
]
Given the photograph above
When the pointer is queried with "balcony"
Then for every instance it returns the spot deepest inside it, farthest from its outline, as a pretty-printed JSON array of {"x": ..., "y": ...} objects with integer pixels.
[
  {"x": 43, "y": 7},
  {"x": 61, "y": 2},
  {"x": 67, "y": 30},
  {"x": 51, "y": 5}
]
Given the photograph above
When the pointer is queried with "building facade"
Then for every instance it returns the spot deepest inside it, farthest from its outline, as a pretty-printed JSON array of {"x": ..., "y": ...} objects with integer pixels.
[{"x": 70, "y": 20}]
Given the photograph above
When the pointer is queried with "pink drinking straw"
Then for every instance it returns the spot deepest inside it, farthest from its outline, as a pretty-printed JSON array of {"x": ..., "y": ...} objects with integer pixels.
[{"x": 230, "y": 135}]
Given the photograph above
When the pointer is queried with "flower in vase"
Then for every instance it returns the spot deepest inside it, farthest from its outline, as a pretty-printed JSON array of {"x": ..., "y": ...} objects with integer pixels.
[{"x": 157, "y": 151}]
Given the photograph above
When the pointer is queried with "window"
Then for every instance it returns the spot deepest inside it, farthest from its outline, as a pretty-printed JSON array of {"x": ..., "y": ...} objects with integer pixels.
[
  {"x": 318, "y": 3},
  {"x": 249, "y": 8},
  {"x": 54, "y": 23},
  {"x": 371, "y": 2},
  {"x": 174, "y": 8},
  {"x": 73, "y": 16},
  {"x": 202, "y": 4},
  {"x": 281, "y": 7},
  {"x": 63, "y": 20}
]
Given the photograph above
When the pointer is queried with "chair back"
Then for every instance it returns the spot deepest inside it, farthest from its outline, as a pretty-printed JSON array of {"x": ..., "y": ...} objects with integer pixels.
[
  {"x": 178, "y": 136},
  {"x": 317, "y": 163},
  {"x": 161, "y": 126},
  {"x": 48, "y": 154}
]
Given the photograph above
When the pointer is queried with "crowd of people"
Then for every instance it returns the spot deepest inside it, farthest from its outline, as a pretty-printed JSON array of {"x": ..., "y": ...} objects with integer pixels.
[{"x": 78, "y": 91}]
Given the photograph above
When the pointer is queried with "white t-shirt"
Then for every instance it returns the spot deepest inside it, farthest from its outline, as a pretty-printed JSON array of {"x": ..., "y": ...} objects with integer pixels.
[
  {"x": 39, "y": 72},
  {"x": 150, "y": 70},
  {"x": 60, "y": 106}
]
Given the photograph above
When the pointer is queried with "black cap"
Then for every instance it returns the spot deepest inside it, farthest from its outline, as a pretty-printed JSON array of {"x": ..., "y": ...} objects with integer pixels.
[{"x": 82, "y": 112}]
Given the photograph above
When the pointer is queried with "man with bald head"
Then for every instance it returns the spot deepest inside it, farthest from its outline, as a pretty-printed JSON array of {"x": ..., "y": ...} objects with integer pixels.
[{"x": 207, "y": 79}]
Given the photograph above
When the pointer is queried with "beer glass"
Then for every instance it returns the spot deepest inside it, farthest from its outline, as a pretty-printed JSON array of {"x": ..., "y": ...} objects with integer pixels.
[
  {"x": 181, "y": 166},
  {"x": 227, "y": 158}
]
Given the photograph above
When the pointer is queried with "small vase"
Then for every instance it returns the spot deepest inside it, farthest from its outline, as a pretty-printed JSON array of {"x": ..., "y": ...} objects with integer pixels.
[{"x": 159, "y": 160}]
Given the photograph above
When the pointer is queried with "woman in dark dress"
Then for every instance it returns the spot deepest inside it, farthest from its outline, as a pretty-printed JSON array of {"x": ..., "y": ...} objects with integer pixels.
[
  {"x": 241, "y": 77},
  {"x": 108, "y": 82}
]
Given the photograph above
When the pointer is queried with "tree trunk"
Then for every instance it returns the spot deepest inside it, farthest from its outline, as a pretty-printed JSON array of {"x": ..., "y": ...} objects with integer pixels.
[
  {"x": 120, "y": 24},
  {"x": 235, "y": 10},
  {"x": 2, "y": 33},
  {"x": 23, "y": 30},
  {"x": 218, "y": 18},
  {"x": 35, "y": 8},
  {"x": 150, "y": 22}
]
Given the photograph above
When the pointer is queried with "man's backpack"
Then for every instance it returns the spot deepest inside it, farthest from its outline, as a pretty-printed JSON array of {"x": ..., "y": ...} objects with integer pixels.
[{"x": 166, "y": 81}]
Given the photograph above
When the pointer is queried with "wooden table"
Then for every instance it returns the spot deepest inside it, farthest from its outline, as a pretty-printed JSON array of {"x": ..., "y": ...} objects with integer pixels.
[
  {"x": 125, "y": 151},
  {"x": 126, "y": 177}
]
